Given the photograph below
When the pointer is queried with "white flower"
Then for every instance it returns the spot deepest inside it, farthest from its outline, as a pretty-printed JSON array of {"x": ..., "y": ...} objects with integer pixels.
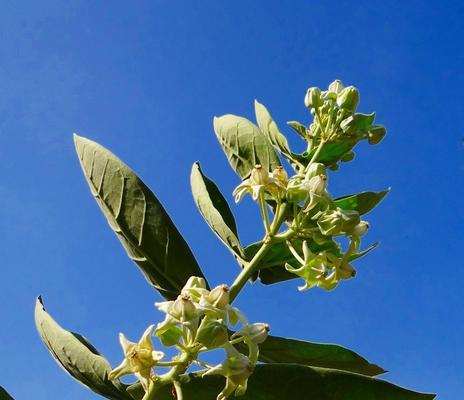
[{"x": 140, "y": 358}]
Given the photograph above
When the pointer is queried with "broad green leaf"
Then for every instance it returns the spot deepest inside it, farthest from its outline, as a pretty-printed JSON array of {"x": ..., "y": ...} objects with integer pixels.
[
  {"x": 331, "y": 152},
  {"x": 361, "y": 202},
  {"x": 214, "y": 209},
  {"x": 270, "y": 129},
  {"x": 4, "y": 395},
  {"x": 138, "y": 219},
  {"x": 78, "y": 357},
  {"x": 272, "y": 266},
  {"x": 283, "y": 350},
  {"x": 292, "y": 381},
  {"x": 298, "y": 127},
  {"x": 244, "y": 144}
]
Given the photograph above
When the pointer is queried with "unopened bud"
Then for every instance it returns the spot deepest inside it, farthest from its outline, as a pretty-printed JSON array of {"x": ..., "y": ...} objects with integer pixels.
[
  {"x": 348, "y": 125},
  {"x": 336, "y": 86},
  {"x": 280, "y": 174},
  {"x": 212, "y": 333},
  {"x": 219, "y": 296},
  {"x": 346, "y": 271},
  {"x": 256, "y": 333},
  {"x": 313, "y": 98},
  {"x": 360, "y": 229},
  {"x": 375, "y": 134},
  {"x": 315, "y": 169},
  {"x": 259, "y": 175},
  {"x": 183, "y": 309},
  {"x": 317, "y": 184},
  {"x": 348, "y": 99}
]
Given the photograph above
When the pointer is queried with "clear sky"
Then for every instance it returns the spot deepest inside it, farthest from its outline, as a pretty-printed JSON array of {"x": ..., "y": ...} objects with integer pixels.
[{"x": 145, "y": 78}]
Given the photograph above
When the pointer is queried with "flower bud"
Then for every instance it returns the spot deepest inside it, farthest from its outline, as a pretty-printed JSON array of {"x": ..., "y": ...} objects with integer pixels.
[
  {"x": 212, "y": 333},
  {"x": 317, "y": 184},
  {"x": 346, "y": 271},
  {"x": 280, "y": 174},
  {"x": 360, "y": 229},
  {"x": 219, "y": 297},
  {"x": 259, "y": 175},
  {"x": 348, "y": 125},
  {"x": 336, "y": 86},
  {"x": 183, "y": 309},
  {"x": 313, "y": 98},
  {"x": 315, "y": 169},
  {"x": 194, "y": 288},
  {"x": 375, "y": 134},
  {"x": 256, "y": 333},
  {"x": 348, "y": 99}
]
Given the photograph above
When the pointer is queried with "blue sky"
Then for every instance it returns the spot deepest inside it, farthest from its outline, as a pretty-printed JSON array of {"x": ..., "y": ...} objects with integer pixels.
[{"x": 145, "y": 79}]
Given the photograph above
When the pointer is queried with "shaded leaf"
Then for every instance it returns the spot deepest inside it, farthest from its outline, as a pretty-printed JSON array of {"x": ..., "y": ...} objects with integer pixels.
[
  {"x": 283, "y": 350},
  {"x": 4, "y": 395},
  {"x": 244, "y": 144},
  {"x": 292, "y": 381},
  {"x": 361, "y": 202},
  {"x": 78, "y": 357},
  {"x": 272, "y": 266},
  {"x": 214, "y": 209},
  {"x": 138, "y": 219}
]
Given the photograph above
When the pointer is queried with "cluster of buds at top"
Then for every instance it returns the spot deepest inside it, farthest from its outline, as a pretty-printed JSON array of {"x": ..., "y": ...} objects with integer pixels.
[
  {"x": 336, "y": 119},
  {"x": 197, "y": 321}
]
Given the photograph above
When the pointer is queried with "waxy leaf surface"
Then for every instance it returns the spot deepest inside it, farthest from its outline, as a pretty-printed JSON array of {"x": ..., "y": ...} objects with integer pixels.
[
  {"x": 361, "y": 202},
  {"x": 282, "y": 350},
  {"x": 214, "y": 209},
  {"x": 138, "y": 219},
  {"x": 4, "y": 395},
  {"x": 78, "y": 357},
  {"x": 244, "y": 144},
  {"x": 292, "y": 381}
]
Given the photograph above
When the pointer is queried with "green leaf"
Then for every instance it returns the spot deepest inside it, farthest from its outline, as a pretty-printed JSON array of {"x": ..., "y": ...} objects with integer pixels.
[
  {"x": 270, "y": 129},
  {"x": 331, "y": 152},
  {"x": 364, "y": 252},
  {"x": 364, "y": 121},
  {"x": 4, "y": 395},
  {"x": 298, "y": 127},
  {"x": 361, "y": 202},
  {"x": 138, "y": 219},
  {"x": 292, "y": 381},
  {"x": 283, "y": 350},
  {"x": 214, "y": 209},
  {"x": 272, "y": 266},
  {"x": 244, "y": 144},
  {"x": 78, "y": 357}
]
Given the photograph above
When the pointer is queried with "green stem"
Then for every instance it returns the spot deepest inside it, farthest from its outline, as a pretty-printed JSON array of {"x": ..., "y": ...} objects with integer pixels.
[
  {"x": 248, "y": 270},
  {"x": 169, "y": 377},
  {"x": 269, "y": 240},
  {"x": 262, "y": 205}
]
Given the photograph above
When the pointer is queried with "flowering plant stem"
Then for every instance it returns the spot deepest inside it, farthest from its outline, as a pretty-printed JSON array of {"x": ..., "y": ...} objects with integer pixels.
[{"x": 269, "y": 240}]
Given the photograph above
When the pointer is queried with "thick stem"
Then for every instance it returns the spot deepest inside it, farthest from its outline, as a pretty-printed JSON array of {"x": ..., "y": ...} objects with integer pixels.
[
  {"x": 248, "y": 270},
  {"x": 178, "y": 388},
  {"x": 264, "y": 213}
]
